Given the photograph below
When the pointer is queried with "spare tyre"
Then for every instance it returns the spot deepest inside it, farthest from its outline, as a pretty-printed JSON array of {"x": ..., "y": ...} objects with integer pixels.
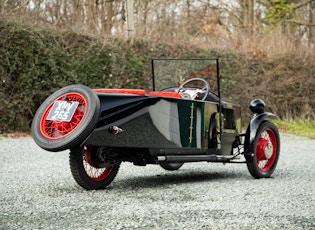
[{"x": 66, "y": 118}]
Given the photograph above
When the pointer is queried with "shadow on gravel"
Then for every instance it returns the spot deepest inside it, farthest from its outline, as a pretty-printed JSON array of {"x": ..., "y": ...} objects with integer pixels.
[
  {"x": 159, "y": 181},
  {"x": 179, "y": 178}
]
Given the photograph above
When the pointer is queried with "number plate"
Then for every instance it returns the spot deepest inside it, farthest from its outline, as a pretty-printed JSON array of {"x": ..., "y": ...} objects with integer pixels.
[{"x": 62, "y": 111}]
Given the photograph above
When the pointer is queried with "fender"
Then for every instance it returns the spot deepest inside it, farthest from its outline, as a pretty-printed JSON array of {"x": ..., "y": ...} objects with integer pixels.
[{"x": 252, "y": 130}]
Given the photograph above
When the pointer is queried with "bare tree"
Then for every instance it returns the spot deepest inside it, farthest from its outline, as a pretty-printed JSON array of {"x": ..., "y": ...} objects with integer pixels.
[{"x": 203, "y": 20}]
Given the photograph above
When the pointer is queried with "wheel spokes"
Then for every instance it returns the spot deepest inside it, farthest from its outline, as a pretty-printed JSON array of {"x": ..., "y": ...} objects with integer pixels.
[{"x": 93, "y": 172}]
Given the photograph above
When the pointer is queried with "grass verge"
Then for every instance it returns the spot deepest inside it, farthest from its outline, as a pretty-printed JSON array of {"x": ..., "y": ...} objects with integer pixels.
[{"x": 302, "y": 127}]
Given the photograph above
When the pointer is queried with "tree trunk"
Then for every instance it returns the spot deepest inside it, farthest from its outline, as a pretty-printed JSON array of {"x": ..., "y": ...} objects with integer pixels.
[
  {"x": 247, "y": 15},
  {"x": 311, "y": 39},
  {"x": 107, "y": 22}
]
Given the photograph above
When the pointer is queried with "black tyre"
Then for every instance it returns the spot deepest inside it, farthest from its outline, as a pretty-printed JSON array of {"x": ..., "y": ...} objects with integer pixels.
[
  {"x": 171, "y": 166},
  {"x": 52, "y": 130},
  {"x": 86, "y": 174},
  {"x": 266, "y": 151}
]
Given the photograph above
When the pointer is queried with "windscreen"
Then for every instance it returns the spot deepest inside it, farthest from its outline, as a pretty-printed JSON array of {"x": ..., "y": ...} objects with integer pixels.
[{"x": 173, "y": 72}]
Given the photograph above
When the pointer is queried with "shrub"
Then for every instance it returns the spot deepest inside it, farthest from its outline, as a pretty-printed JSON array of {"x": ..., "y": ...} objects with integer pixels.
[{"x": 36, "y": 62}]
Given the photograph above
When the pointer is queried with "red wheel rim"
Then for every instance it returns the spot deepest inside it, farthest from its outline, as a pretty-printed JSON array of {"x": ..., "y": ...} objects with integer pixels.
[
  {"x": 266, "y": 150},
  {"x": 96, "y": 174},
  {"x": 59, "y": 129}
]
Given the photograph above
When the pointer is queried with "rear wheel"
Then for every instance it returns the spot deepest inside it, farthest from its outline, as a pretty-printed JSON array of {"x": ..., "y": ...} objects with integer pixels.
[
  {"x": 171, "y": 166},
  {"x": 266, "y": 151},
  {"x": 86, "y": 173},
  {"x": 66, "y": 118}
]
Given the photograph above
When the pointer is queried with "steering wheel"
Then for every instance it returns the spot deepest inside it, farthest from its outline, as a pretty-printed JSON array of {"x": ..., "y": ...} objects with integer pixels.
[{"x": 205, "y": 89}]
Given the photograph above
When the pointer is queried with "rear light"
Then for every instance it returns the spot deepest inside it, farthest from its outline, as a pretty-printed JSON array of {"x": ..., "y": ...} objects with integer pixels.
[{"x": 115, "y": 130}]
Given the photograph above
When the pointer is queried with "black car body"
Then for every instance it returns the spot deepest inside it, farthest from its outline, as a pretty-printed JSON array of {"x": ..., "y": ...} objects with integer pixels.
[{"x": 184, "y": 119}]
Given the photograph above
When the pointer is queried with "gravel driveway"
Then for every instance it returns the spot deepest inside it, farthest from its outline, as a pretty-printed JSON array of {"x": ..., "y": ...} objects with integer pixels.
[{"x": 38, "y": 192}]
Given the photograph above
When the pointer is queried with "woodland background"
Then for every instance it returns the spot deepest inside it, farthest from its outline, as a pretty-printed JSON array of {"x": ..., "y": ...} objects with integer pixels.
[{"x": 266, "y": 49}]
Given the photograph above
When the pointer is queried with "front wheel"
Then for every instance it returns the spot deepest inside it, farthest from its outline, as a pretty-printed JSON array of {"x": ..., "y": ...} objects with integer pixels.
[
  {"x": 264, "y": 159},
  {"x": 86, "y": 174}
]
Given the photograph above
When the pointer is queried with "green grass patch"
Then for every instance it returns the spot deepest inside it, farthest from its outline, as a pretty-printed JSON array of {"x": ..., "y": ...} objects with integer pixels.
[{"x": 300, "y": 127}]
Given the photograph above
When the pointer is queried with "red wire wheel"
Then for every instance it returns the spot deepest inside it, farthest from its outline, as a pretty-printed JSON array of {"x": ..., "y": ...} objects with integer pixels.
[
  {"x": 94, "y": 173},
  {"x": 86, "y": 173},
  {"x": 266, "y": 151},
  {"x": 66, "y": 118},
  {"x": 54, "y": 129}
]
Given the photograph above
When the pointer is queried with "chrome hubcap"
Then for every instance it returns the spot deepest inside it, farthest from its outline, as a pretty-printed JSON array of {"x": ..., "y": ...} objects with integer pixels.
[{"x": 268, "y": 150}]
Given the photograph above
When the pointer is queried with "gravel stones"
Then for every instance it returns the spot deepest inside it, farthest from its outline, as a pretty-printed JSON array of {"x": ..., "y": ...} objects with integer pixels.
[{"x": 38, "y": 192}]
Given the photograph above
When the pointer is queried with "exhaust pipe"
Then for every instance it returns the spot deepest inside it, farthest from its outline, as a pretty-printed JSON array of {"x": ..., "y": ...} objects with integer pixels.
[{"x": 190, "y": 158}]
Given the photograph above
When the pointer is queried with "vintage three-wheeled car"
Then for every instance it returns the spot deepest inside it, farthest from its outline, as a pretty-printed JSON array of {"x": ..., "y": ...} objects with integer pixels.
[{"x": 183, "y": 119}]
